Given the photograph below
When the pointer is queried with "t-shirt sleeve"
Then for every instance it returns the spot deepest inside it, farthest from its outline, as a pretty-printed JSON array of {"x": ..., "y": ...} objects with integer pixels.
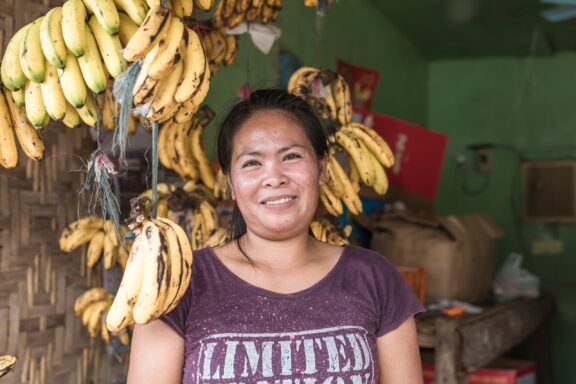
[
  {"x": 397, "y": 301},
  {"x": 177, "y": 318}
]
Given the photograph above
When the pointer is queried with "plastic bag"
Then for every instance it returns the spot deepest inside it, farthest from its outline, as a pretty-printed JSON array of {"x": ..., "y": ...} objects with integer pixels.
[{"x": 514, "y": 281}]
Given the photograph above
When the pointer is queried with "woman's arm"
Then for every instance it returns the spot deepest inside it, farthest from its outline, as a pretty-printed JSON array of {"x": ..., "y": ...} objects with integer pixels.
[
  {"x": 156, "y": 354},
  {"x": 399, "y": 355}
]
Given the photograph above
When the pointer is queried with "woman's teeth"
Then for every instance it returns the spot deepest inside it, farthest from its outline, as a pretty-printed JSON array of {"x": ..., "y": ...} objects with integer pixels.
[{"x": 277, "y": 202}]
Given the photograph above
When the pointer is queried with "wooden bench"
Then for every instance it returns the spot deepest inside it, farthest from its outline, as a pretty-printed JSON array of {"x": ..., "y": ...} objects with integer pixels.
[{"x": 465, "y": 343}]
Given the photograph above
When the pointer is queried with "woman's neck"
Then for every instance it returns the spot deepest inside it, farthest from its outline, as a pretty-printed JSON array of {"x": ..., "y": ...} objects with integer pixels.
[{"x": 277, "y": 255}]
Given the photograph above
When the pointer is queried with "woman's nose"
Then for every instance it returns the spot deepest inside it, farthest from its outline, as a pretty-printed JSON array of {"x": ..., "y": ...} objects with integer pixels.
[{"x": 275, "y": 176}]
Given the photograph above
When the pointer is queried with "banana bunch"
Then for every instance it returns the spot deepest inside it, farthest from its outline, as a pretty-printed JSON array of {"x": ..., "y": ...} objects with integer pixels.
[
  {"x": 230, "y": 13},
  {"x": 80, "y": 232},
  {"x": 13, "y": 122},
  {"x": 7, "y": 362},
  {"x": 220, "y": 47},
  {"x": 368, "y": 156},
  {"x": 175, "y": 74},
  {"x": 157, "y": 273},
  {"x": 205, "y": 230},
  {"x": 180, "y": 148},
  {"x": 326, "y": 91},
  {"x": 106, "y": 245},
  {"x": 92, "y": 307},
  {"x": 323, "y": 230},
  {"x": 102, "y": 240}
]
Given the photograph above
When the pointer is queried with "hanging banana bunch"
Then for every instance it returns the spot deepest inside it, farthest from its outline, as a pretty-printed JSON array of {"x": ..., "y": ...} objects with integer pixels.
[
  {"x": 230, "y": 13},
  {"x": 157, "y": 273},
  {"x": 92, "y": 307},
  {"x": 368, "y": 154},
  {"x": 100, "y": 235},
  {"x": 323, "y": 230},
  {"x": 220, "y": 47}
]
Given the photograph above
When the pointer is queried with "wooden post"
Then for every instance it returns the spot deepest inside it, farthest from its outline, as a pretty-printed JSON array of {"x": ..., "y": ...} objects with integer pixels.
[{"x": 448, "y": 347}]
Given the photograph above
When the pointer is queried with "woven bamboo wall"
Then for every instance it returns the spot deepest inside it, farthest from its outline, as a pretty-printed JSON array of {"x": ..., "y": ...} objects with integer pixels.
[{"x": 39, "y": 283}]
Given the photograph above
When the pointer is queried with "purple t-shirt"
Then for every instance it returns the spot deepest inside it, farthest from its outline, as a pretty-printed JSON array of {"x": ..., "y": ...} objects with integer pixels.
[{"x": 237, "y": 333}]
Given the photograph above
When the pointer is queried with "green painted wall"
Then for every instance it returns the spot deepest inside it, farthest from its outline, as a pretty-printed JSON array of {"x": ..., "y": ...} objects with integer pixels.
[
  {"x": 352, "y": 30},
  {"x": 528, "y": 104}
]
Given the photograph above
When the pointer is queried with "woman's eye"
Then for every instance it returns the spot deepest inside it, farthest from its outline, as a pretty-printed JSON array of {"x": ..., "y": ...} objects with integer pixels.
[
  {"x": 292, "y": 156},
  {"x": 249, "y": 163}
]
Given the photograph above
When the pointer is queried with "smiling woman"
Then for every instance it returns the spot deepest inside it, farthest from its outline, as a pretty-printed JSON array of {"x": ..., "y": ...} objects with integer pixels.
[{"x": 275, "y": 305}]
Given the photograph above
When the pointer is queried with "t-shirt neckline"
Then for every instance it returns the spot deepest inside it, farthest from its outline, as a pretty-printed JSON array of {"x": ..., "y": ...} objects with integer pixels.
[{"x": 265, "y": 292}]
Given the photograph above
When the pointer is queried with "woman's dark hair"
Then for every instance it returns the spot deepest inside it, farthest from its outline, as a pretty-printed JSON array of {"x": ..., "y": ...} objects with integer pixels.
[{"x": 266, "y": 99}]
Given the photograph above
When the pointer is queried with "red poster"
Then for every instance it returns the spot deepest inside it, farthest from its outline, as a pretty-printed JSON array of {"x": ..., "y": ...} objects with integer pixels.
[
  {"x": 419, "y": 152},
  {"x": 362, "y": 82}
]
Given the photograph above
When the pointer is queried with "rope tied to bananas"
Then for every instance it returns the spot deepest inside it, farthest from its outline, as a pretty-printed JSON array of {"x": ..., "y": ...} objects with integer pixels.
[
  {"x": 99, "y": 173},
  {"x": 123, "y": 87}
]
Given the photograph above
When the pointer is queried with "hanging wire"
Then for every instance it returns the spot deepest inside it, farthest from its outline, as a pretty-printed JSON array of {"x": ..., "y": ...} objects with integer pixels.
[{"x": 154, "y": 168}]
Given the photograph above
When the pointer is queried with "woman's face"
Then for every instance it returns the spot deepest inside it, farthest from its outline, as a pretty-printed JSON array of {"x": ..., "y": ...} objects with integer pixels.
[{"x": 274, "y": 175}]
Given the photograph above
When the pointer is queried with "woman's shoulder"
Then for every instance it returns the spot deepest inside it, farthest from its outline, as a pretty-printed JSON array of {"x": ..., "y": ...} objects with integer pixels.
[{"x": 368, "y": 262}]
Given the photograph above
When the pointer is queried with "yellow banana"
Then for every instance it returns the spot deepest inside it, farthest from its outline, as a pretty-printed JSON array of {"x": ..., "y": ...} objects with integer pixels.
[
  {"x": 342, "y": 187},
  {"x": 91, "y": 65},
  {"x": 88, "y": 113},
  {"x": 169, "y": 51},
  {"x": 182, "y": 151},
  {"x": 132, "y": 125},
  {"x": 186, "y": 258},
  {"x": 127, "y": 28},
  {"x": 19, "y": 96},
  {"x": 174, "y": 264},
  {"x": 217, "y": 237},
  {"x": 183, "y": 8},
  {"x": 27, "y": 135},
  {"x": 153, "y": 272},
  {"x": 95, "y": 249},
  {"x": 52, "y": 94},
  {"x": 72, "y": 82},
  {"x": 359, "y": 153},
  {"x": 71, "y": 239},
  {"x": 145, "y": 38},
  {"x": 89, "y": 297},
  {"x": 120, "y": 313},
  {"x": 104, "y": 334},
  {"x": 381, "y": 180},
  {"x": 206, "y": 172},
  {"x": 135, "y": 9},
  {"x": 204, "y": 5},
  {"x": 110, "y": 48},
  {"x": 232, "y": 49},
  {"x": 210, "y": 216},
  {"x": 34, "y": 104},
  {"x": 110, "y": 255},
  {"x": 144, "y": 85},
  {"x": 122, "y": 256},
  {"x": 31, "y": 55},
  {"x": 11, "y": 72},
  {"x": 74, "y": 26},
  {"x": 52, "y": 39},
  {"x": 194, "y": 66},
  {"x": 110, "y": 230},
  {"x": 8, "y": 150},
  {"x": 94, "y": 322},
  {"x": 71, "y": 118},
  {"x": 373, "y": 141},
  {"x": 330, "y": 201},
  {"x": 106, "y": 13},
  {"x": 164, "y": 99}
]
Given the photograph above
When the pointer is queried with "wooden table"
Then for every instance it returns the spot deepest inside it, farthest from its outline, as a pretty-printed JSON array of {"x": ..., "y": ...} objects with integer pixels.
[{"x": 465, "y": 343}]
